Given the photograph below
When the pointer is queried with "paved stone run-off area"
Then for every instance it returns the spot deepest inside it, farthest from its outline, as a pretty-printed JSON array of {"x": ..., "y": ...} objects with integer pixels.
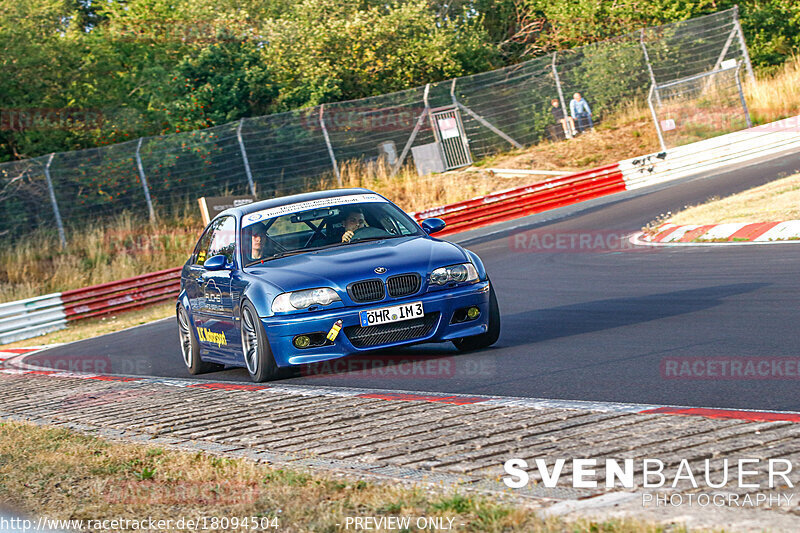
[{"x": 433, "y": 440}]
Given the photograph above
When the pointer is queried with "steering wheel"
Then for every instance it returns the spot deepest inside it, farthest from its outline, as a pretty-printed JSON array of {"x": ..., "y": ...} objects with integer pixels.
[{"x": 369, "y": 233}]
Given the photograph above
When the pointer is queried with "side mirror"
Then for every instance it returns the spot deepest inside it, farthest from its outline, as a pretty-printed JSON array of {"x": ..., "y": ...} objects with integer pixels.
[
  {"x": 217, "y": 262},
  {"x": 432, "y": 225}
]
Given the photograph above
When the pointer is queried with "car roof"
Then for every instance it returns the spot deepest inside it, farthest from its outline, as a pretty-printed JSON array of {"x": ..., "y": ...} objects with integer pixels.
[{"x": 286, "y": 200}]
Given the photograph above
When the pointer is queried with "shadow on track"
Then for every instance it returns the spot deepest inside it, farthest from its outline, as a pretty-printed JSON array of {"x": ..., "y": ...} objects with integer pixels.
[{"x": 539, "y": 325}]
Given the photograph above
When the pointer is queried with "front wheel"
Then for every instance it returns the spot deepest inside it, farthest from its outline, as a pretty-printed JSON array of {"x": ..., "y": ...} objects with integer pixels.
[
  {"x": 258, "y": 357},
  {"x": 190, "y": 347},
  {"x": 484, "y": 340}
]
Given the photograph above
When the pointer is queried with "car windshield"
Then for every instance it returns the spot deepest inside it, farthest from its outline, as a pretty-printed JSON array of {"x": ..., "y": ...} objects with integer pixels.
[{"x": 267, "y": 237}]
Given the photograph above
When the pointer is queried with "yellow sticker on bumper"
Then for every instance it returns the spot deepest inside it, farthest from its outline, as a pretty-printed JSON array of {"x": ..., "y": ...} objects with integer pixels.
[{"x": 334, "y": 332}]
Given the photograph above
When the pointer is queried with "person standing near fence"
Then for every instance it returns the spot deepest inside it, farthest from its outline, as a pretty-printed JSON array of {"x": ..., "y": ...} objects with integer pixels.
[{"x": 581, "y": 112}]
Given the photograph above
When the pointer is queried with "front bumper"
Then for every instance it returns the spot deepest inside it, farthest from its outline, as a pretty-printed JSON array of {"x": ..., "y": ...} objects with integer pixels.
[{"x": 282, "y": 330}]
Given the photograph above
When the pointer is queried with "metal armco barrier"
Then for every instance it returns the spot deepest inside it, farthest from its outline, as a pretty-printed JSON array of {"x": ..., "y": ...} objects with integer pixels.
[
  {"x": 522, "y": 201},
  {"x": 28, "y": 318},
  {"x": 31, "y": 317},
  {"x": 121, "y": 295},
  {"x": 35, "y": 316}
]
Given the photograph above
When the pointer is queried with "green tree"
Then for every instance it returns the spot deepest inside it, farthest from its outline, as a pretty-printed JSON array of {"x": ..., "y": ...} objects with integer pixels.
[
  {"x": 222, "y": 83},
  {"x": 146, "y": 67},
  {"x": 328, "y": 50}
]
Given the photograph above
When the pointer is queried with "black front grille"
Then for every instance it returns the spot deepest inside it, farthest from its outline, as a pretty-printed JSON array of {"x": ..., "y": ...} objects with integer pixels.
[
  {"x": 370, "y": 290},
  {"x": 394, "y": 332},
  {"x": 403, "y": 285}
]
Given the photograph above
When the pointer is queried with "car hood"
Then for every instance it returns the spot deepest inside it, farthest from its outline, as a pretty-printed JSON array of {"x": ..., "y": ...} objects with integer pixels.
[{"x": 339, "y": 266}]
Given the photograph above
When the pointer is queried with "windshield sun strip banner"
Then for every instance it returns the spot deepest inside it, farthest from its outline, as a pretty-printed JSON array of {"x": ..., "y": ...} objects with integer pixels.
[{"x": 264, "y": 214}]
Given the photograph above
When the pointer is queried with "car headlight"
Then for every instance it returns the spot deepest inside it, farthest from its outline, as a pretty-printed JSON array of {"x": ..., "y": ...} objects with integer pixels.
[
  {"x": 293, "y": 301},
  {"x": 458, "y": 273}
]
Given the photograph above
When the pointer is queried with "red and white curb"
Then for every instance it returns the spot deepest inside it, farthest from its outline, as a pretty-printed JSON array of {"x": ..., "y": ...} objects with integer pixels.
[
  {"x": 721, "y": 234},
  {"x": 8, "y": 353},
  {"x": 14, "y": 364}
]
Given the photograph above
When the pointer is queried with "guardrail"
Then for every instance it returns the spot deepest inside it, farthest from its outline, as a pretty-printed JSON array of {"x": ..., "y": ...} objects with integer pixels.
[
  {"x": 31, "y": 317},
  {"x": 522, "y": 201},
  {"x": 121, "y": 295},
  {"x": 35, "y": 316}
]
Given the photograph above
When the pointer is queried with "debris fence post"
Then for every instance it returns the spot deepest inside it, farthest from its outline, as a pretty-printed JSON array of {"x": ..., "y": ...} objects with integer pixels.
[{"x": 61, "y": 236}]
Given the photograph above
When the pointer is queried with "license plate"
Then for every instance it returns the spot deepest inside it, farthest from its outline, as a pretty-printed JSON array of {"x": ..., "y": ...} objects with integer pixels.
[{"x": 395, "y": 313}]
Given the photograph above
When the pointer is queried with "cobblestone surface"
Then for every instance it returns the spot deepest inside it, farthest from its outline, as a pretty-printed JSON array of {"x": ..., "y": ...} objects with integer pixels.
[{"x": 413, "y": 441}]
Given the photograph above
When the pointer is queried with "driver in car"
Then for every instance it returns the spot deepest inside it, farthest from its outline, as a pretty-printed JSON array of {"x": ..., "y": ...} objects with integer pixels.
[{"x": 354, "y": 221}]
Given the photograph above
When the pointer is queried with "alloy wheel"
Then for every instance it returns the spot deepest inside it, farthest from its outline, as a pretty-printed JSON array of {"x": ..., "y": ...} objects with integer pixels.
[
  {"x": 249, "y": 341},
  {"x": 185, "y": 337}
]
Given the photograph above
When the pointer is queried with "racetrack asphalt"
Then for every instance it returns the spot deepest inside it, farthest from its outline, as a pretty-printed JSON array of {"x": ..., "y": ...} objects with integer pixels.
[{"x": 601, "y": 324}]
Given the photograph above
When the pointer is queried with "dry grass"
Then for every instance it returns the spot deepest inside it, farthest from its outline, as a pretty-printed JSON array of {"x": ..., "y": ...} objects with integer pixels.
[
  {"x": 414, "y": 193},
  {"x": 124, "y": 247},
  {"x": 73, "y": 476},
  {"x": 86, "y": 329},
  {"x": 774, "y": 202},
  {"x": 628, "y": 133},
  {"x": 775, "y": 96}
]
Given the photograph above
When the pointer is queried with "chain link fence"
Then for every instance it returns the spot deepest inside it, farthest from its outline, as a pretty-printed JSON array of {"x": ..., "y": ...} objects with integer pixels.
[
  {"x": 698, "y": 107},
  {"x": 289, "y": 152}
]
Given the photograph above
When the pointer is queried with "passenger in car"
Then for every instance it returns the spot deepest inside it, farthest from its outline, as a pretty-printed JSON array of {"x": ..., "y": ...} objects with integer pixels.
[{"x": 257, "y": 243}]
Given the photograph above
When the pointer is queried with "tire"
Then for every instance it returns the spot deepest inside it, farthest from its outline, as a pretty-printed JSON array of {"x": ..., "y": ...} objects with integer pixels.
[
  {"x": 258, "y": 357},
  {"x": 484, "y": 340},
  {"x": 190, "y": 346}
]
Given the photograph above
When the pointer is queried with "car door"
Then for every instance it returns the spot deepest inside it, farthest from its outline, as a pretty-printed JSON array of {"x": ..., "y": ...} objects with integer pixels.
[{"x": 216, "y": 329}]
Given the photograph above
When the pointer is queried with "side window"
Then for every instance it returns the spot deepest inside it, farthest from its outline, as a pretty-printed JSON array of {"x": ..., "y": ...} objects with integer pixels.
[
  {"x": 223, "y": 242},
  {"x": 392, "y": 223},
  {"x": 201, "y": 250},
  {"x": 218, "y": 239}
]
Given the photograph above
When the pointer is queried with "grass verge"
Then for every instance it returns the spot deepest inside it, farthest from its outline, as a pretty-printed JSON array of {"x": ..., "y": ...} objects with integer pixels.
[
  {"x": 776, "y": 201},
  {"x": 73, "y": 476}
]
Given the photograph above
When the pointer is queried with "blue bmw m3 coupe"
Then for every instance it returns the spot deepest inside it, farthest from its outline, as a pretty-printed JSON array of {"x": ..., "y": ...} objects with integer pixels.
[{"x": 318, "y": 276}]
